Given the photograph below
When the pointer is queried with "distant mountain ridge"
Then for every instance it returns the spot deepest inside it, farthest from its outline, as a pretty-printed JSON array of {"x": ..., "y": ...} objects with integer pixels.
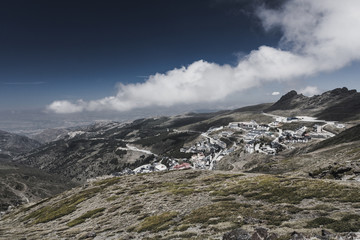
[
  {"x": 91, "y": 151},
  {"x": 339, "y": 104},
  {"x": 12, "y": 144},
  {"x": 49, "y": 135}
]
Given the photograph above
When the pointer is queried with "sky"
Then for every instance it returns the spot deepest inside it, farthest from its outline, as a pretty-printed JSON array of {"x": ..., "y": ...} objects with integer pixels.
[{"x": 83, "y": 56}]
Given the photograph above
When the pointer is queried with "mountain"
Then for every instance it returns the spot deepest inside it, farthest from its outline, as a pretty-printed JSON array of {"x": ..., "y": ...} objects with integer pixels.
[
  {"x": 339, "y": 104},
  {"x": 13, "y": 144},
  {"x": 192, "y": 204},
  {"x": 291, "y": 193},
  {"x": 51, "y": 134},
  {"x": 108, "y": 147},
  {"x": 289, "y": 101}
]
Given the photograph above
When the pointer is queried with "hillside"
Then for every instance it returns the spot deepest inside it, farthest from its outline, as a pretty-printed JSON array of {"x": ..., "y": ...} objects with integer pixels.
[
  {"x": 192, "y": 205},
  {"x": 20, "y": 185},
  {"x": 347, "y": 136}
]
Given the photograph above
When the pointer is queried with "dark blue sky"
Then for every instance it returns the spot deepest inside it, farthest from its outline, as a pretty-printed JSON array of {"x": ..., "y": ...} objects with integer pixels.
[{"x": 80, "y": 49}]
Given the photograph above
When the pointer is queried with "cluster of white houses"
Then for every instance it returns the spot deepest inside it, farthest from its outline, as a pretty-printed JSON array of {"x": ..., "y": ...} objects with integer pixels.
[
  {"x": 157, "y": 166},
  {"x": 257, "y": 138}
]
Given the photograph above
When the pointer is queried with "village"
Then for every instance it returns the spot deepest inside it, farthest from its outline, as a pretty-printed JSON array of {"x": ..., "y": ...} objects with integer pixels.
[{"x": 248, "y": 137}]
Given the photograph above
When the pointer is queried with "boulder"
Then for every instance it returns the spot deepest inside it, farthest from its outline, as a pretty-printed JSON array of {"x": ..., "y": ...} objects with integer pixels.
[{"x": 237, "y": 234}]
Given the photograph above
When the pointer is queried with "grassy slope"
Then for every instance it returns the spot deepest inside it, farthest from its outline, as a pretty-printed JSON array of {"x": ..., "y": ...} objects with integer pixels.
[{"x": 190, "y": 204}]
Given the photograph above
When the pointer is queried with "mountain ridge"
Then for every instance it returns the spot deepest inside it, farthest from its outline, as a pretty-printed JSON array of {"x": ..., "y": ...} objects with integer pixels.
[
  {"x": 13, "y": 144},
  {"x": 339, "y": 104}
]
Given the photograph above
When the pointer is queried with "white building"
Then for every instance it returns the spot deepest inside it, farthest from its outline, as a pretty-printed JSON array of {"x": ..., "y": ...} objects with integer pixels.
[
  {"x": 160, "y": 167},
  {"x": 143, "y": 169}
]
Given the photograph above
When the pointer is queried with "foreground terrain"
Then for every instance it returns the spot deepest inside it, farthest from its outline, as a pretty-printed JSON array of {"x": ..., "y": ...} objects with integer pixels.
[{"x": 192, "y": 204}]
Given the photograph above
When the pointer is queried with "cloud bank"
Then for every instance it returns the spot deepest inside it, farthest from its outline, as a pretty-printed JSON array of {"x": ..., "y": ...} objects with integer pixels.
[{"x": 318, "y": 36}]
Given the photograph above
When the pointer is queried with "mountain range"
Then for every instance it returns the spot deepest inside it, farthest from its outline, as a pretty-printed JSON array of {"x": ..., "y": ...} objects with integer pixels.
[{"x": 293, "y": 194}]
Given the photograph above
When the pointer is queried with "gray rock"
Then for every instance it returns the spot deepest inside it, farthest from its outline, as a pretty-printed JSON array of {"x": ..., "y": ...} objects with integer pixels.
[
  {"x": 237, "y": 234},
  {"x": 263, "y": 234},
  {"x": 260, "y": 234},
  {"x": 297, "y": 236}
]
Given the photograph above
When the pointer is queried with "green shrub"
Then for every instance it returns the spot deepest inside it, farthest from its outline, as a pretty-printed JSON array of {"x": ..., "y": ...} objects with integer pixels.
[
  {"x": 321, "y": 221},
  {"x": 348, "y": 223}
]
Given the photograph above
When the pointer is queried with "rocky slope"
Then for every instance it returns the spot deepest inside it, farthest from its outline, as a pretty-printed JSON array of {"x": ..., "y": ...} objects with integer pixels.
[
  {"x": 193, "y": 205},
  {"x": 339, "y": 104}
]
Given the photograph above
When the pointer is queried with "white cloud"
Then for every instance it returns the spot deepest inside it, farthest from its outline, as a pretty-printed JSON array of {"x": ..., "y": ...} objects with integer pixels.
[
  {"x": 310, "y": 91},
  {"x": 67, "y": 107},
  {"x": 318, "y": 36},
  {"x": 275, "y": 93}
]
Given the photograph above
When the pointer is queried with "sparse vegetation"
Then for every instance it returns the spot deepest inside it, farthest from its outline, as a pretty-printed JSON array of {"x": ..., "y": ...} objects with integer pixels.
[
  {"x": 62, "y": 207},
  {"x": 85, "y": 216},
  {"x": 289, "y": 190},
  {"x": 348, "y": 223},
  {"x": 156, "y": 223},
  {"x": 107, "y": 182},
  {"x": 112, "y": 198},
  {"x": 218, "y": 212},
  {"x": 320, "y": 222},
  {"x": 205, "y": 202},
  {"x": 134, "y": 210}
]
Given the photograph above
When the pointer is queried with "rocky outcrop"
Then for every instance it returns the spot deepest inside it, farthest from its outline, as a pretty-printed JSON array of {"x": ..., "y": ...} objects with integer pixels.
[
  {"x": 260, "y": 233},
  {"x": 290, "y": 100}
]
